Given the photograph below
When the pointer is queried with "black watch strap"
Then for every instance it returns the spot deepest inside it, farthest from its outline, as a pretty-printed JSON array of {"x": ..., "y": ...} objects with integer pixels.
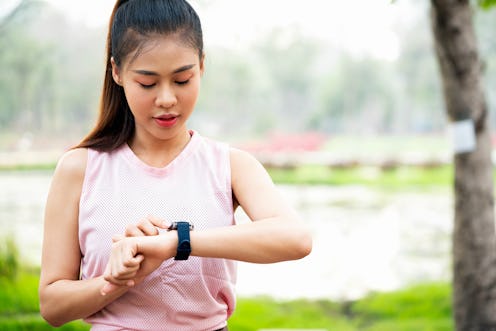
[{"x": 183, "y": 242}]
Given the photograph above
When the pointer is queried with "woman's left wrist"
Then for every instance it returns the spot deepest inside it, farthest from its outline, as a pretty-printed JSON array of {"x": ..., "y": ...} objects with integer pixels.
[{"x": 169, "y": 242}]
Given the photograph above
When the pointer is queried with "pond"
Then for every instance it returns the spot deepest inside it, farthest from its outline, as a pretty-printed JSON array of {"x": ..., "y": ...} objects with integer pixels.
[{"x": 365, "y": 239}]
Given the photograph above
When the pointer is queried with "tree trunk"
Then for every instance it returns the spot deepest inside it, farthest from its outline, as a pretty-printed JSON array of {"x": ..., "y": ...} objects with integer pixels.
[{"x": 474, "y": 241}]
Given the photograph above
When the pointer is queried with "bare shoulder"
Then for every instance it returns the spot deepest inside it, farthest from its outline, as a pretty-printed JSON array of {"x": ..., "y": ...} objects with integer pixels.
[
  {"x": 65, "y": 188},
  {"x": 248, "y": 173},
  {"x": 254, "y": 189},
  {"x": 72, "y": 165},
  {"x": 239, "y": 156},
  {"x": 244, "y": 164}
]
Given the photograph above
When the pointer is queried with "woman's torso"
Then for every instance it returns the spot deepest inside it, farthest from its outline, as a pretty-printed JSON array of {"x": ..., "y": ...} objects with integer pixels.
[{"x": 119, "y": 189}]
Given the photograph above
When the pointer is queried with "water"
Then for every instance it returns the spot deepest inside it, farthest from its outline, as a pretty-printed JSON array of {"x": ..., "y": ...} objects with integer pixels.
[{"x": 364, "y": 239}]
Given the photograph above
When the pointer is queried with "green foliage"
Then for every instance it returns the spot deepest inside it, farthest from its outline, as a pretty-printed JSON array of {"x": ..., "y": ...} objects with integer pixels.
[
  {"x": 9, "y": 258},
  {"x": 41, "y": 87},
  {"x": 346, "y": 102},
  {"x": 424, "y": 307},
  {"x": 426, "y": 301},
  {"x": 19, "y": 295},
  {"x": 257, "y": 313},
  {"x": 51, "y": 73},
  {"x": 486, "y": 4},
  {"x": 36, "y": 322},
  {"x": 418, "y": 324}
]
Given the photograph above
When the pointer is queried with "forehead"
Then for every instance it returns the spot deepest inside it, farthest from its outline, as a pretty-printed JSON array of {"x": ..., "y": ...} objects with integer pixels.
[{"x": 163, "y": 51}]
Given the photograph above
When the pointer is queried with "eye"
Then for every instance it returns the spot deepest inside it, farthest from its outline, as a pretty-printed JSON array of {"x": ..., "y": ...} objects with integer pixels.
[
  {"x": 147, "y": 86},
  {"x": 182, "y": 82}
]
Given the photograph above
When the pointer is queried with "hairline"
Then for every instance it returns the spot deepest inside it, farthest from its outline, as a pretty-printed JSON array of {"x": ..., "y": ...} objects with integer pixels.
[{"x": 153, "y": 38}]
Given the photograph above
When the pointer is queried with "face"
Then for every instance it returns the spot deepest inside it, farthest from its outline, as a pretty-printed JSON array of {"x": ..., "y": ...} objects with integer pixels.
[{"x": 161, "y": 86}]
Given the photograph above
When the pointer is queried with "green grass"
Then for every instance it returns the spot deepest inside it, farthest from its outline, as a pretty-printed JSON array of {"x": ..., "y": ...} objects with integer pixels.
[
  {"x": 19, "y": 294},
  {"x": 399, "y": 177},
  {"x": 28, "y": 167},
  {"x": 425, "y": 307},
  {"x": 36, "y": 322},
  {"x": 257, "y": 313},
  {"x": 422, "y": 307}
]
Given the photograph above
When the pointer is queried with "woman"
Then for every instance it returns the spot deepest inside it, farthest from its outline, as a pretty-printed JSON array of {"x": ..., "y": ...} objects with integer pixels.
[{"x": 139, "y": 225}]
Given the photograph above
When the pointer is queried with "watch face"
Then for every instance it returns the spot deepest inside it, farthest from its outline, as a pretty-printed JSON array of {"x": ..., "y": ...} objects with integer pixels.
[{"x": 174, "y": 225}]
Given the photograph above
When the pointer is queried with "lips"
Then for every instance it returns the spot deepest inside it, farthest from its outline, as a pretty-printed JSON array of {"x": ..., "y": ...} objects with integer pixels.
[{"x": 166, "y": 121}]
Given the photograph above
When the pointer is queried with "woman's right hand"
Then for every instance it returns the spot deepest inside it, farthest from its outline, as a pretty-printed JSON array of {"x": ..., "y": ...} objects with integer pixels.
[
  {"x": 146, "y": 227},
  {"x": 126, "y": 266}
]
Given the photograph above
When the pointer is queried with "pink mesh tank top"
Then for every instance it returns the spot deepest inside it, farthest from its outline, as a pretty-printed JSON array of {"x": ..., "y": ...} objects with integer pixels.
[{"x": 119, "y": 189}]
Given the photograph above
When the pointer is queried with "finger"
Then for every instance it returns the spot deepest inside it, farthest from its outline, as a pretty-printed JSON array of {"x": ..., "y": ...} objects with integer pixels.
[
  {"x": 133, "y": 231},
  {"x": 109, "y": 288},
  {"x": 119, "y": 273},
  {"x": 139, "y": 258},
  {"x": 121, "y": 276},
  {"x": 117, "y": 237},
  {"x": 115, "y": 281},
  {"x": 127, "y": 268},
  {"x": 159, "y": 223},
  {"x": 124, "y": 270},
  {"x": 133, "y": 262},
  {"x": 148, "y": 228}
]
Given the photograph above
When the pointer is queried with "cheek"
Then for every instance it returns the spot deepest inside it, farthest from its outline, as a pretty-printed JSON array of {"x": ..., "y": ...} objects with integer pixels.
[
  {"x": 191, "y": 95},
  {"x": 136, "y": 99}
]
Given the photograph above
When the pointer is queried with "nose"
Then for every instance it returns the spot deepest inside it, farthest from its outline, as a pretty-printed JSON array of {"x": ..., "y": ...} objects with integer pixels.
[{"x": 165, "y": 98}]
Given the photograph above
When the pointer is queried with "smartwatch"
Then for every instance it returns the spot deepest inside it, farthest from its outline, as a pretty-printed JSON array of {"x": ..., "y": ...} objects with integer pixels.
[{"x": 183, "y": 242}]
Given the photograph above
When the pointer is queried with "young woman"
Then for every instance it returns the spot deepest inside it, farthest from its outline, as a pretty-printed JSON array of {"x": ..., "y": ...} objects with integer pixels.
[{"x": 139, "y": 225}]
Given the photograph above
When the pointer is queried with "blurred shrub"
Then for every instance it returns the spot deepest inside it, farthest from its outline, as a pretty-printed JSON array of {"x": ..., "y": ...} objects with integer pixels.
[{"x": 9, "y": 258}]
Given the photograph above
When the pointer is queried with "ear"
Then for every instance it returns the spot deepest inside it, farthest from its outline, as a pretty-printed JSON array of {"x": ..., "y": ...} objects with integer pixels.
[
  {"x": 202, "y": 64},
  {"x": 115, "y": 72}
]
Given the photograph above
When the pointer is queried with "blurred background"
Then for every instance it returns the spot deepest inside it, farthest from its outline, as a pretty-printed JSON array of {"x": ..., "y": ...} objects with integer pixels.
[{"x": 340, "y": 100}]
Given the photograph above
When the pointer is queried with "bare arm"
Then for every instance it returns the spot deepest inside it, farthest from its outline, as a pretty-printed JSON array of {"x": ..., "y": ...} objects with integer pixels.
[
  {"x": 63, "y": 297},
  {"x": 276, "y": 233}
]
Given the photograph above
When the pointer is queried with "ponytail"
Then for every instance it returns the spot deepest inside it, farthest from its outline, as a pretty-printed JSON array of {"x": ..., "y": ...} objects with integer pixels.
[{"x": 115, "y": 124}]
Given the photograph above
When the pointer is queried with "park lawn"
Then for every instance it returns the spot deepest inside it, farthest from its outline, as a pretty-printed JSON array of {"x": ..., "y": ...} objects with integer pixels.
[
  {"x": 425, "y": 307},
  {"x": 401, "y": 177}
]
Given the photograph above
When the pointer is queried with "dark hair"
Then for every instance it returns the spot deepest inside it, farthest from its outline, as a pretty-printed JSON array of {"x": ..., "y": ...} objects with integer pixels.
[{"x": 132, "y": 24}]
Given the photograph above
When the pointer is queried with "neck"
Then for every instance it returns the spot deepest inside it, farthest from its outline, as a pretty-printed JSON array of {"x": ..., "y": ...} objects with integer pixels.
[{"x": 157, "y": 152}]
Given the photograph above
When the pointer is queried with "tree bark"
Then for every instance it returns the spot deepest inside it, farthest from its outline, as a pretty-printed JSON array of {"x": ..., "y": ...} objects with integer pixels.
[{"x": 474, "y": 240}]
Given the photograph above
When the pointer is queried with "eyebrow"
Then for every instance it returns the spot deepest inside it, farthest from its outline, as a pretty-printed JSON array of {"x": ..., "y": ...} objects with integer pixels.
[{"x": 153, "y": 73}]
